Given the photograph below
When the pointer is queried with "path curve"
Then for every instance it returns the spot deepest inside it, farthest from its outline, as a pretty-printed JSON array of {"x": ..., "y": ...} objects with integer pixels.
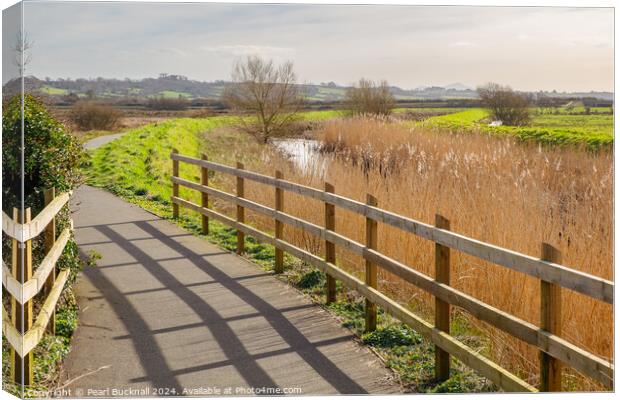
[
  {"x": 166, "y": 310},
  {"x": 101, "y": 140}
]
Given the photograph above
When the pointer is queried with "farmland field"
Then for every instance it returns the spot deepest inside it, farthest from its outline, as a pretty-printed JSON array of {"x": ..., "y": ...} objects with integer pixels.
[
  {"x": 591, "y": 130},
  {"x": 52, "y": 90}
]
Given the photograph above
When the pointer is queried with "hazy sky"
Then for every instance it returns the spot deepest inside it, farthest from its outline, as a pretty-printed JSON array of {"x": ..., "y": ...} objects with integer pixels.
[{"x": 410, "y": 46}]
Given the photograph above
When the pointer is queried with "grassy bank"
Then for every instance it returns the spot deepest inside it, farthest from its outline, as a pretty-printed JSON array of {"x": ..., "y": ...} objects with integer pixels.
[{"x": 594, "y": 131}]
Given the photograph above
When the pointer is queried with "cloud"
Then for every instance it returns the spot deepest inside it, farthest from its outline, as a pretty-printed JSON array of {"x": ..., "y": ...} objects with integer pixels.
[
  {"x": 463, "y": 44},
  {"x": 240, "y": 50},
  {"x": 172, "y": 51}
]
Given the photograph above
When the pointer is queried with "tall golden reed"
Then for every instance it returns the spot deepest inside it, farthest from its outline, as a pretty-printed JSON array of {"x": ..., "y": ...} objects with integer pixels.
[{"x": 511, "y": 194}]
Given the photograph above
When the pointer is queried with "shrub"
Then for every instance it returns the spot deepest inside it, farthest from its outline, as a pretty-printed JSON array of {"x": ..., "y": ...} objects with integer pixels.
[
  {"x": 91, "y": 115},
  {"x": 167, "y": 103},
  {"x": 370, "y": 98},
  {"x": 505, "y": 105},
  {"x": 52, "y": 156}
]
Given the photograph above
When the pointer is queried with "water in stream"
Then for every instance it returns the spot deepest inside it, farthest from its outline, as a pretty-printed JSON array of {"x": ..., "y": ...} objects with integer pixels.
[{"x": 303, "y": 153}]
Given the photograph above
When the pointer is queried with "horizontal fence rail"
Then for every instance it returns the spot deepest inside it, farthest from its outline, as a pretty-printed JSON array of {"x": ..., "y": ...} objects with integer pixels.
[
  {"x": 23, "y": 285},
  {"x": 27, "y": 231},
  {"x": 548, "y": 342}
]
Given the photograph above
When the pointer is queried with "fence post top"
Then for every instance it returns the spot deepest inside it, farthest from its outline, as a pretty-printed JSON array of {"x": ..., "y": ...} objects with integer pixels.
[
  {"x": 279, "y": 174},
  {"x": 175, "y": 151},
  {"x": 240, "y": 165},
  {"x": 329, "y": 187},
  {"x": 204, "y": 156},
  {"x": 550, "y": 253},
  {"x": 442, "y": 222},
  {"x": 371, "y": 200}
]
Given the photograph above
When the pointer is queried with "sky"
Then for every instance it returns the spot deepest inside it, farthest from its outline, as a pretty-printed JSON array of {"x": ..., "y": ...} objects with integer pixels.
[{"x": 528, "y": 48}]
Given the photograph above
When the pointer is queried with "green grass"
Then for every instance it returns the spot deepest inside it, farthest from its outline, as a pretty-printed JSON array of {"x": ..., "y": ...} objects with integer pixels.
[
  {"x": 53, "y": 91},
  {"x": 594, "y": 131},
  {"x": 171, "y": 94},
  {"x": 137, "y": 168}
]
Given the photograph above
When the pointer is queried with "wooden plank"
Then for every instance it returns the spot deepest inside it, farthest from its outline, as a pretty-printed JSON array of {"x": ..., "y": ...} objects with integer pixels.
[
  {"x": 34, "y": 335},
  {"x": 28, "y": 231},
  {"x": 21, "y": 366},
  {"x": 50, "y": 238},
  {"x": 579, "y": 359},
  {"x": 442, "y": 308},
  {"x": 590, "y": 285},
  {"x": 11, "y": 334},
  {"x": 42, "y": 220},
  {"x": 204, "y": 180},
  {"x": 371, "y": 268},
  {"x": 175, "y": 187},
  {"x": 23, "y": 344},
  {"x": 279, "y": 227},
  {"x": 13, "y": 229},
  {"x": 25, "y": 292},
  {"x": 330, "y": 247},
  {"x": 240, "y": 212},
  {"x": 551, "y": 321},
  {"x": 487, "y": 368}
]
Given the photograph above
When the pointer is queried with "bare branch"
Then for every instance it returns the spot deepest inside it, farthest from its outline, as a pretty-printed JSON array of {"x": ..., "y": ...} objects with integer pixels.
[{"x": 269, "y": 94}]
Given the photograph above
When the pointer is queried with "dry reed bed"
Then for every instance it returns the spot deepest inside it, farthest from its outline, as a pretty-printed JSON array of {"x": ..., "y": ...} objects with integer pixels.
[{"x": 510, "y": 194}]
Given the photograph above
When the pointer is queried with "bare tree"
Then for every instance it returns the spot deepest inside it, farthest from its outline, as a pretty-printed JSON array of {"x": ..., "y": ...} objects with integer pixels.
[
  {"x": 505, "y": 104},
  {"x": 22, "y": 48},
  {"x": 267, "y": 92},
  {"x": 369, "y": 97}
]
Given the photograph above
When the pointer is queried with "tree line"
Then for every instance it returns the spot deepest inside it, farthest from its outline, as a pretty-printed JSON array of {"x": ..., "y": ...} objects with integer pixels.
[{"x": 268, "y": 98}]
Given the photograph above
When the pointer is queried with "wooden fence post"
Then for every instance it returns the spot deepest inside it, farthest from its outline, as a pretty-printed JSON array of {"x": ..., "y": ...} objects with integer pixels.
[
  {"x": 205, "y": 196},
  {"x": 371, "y": 269},
  {"x": 330, "y": 248},
  {"x": 240, "y": 212},
  {"x": 442, "y": 309},
  {"x": 175, "y": 186},
  {"x": 50, "y": 238},
  {"x": 21, "y": 369},
  {"x": 279, "y": 267},
  {"x": 551, "y": 321}
]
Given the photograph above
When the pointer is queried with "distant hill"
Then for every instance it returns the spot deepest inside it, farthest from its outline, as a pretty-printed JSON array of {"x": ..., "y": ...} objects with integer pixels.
[
  {"x": 458, "y": 86},
  {"x": 174, "y": 86}
]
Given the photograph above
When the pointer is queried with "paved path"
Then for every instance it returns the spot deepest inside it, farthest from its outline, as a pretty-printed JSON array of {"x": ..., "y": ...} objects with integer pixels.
[
  {"x": 165, "y": 309},
  {"x": 101, "y": 140}
]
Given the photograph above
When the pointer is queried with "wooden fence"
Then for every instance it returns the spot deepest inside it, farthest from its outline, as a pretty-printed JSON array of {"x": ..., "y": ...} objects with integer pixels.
[
  {"x": 22, "y": 285},
  {"x": 552, "y": 275}
]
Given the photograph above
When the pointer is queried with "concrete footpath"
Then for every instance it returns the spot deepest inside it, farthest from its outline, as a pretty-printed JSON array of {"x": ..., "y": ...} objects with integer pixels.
[{"x": 165, "y": 312}]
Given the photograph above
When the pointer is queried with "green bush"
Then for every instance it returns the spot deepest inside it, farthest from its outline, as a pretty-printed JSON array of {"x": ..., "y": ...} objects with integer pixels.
[{"x": 51, "y": 158}]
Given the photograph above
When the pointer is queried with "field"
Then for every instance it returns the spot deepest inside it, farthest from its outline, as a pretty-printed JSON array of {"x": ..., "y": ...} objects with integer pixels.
[
  {"x": 53, "y": 91},
  {"x": 593, "y": 131},
  {"x": 491, "y": 187},
  {"x": 171, "y": 94}
]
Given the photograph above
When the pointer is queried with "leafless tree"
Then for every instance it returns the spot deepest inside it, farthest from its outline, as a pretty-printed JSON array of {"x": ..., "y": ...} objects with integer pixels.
[
  {"x": 268, "y": 93},
  {"x": 22, "y": 47},
  {"x": 505, "y": 104},
  {"x": 369, "y": 97}
]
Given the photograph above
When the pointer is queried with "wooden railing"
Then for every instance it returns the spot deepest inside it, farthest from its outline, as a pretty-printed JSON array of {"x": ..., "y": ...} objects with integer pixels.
[
  {"x": 552, "y": 275},
  {"x": 22, "y": 285}
]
